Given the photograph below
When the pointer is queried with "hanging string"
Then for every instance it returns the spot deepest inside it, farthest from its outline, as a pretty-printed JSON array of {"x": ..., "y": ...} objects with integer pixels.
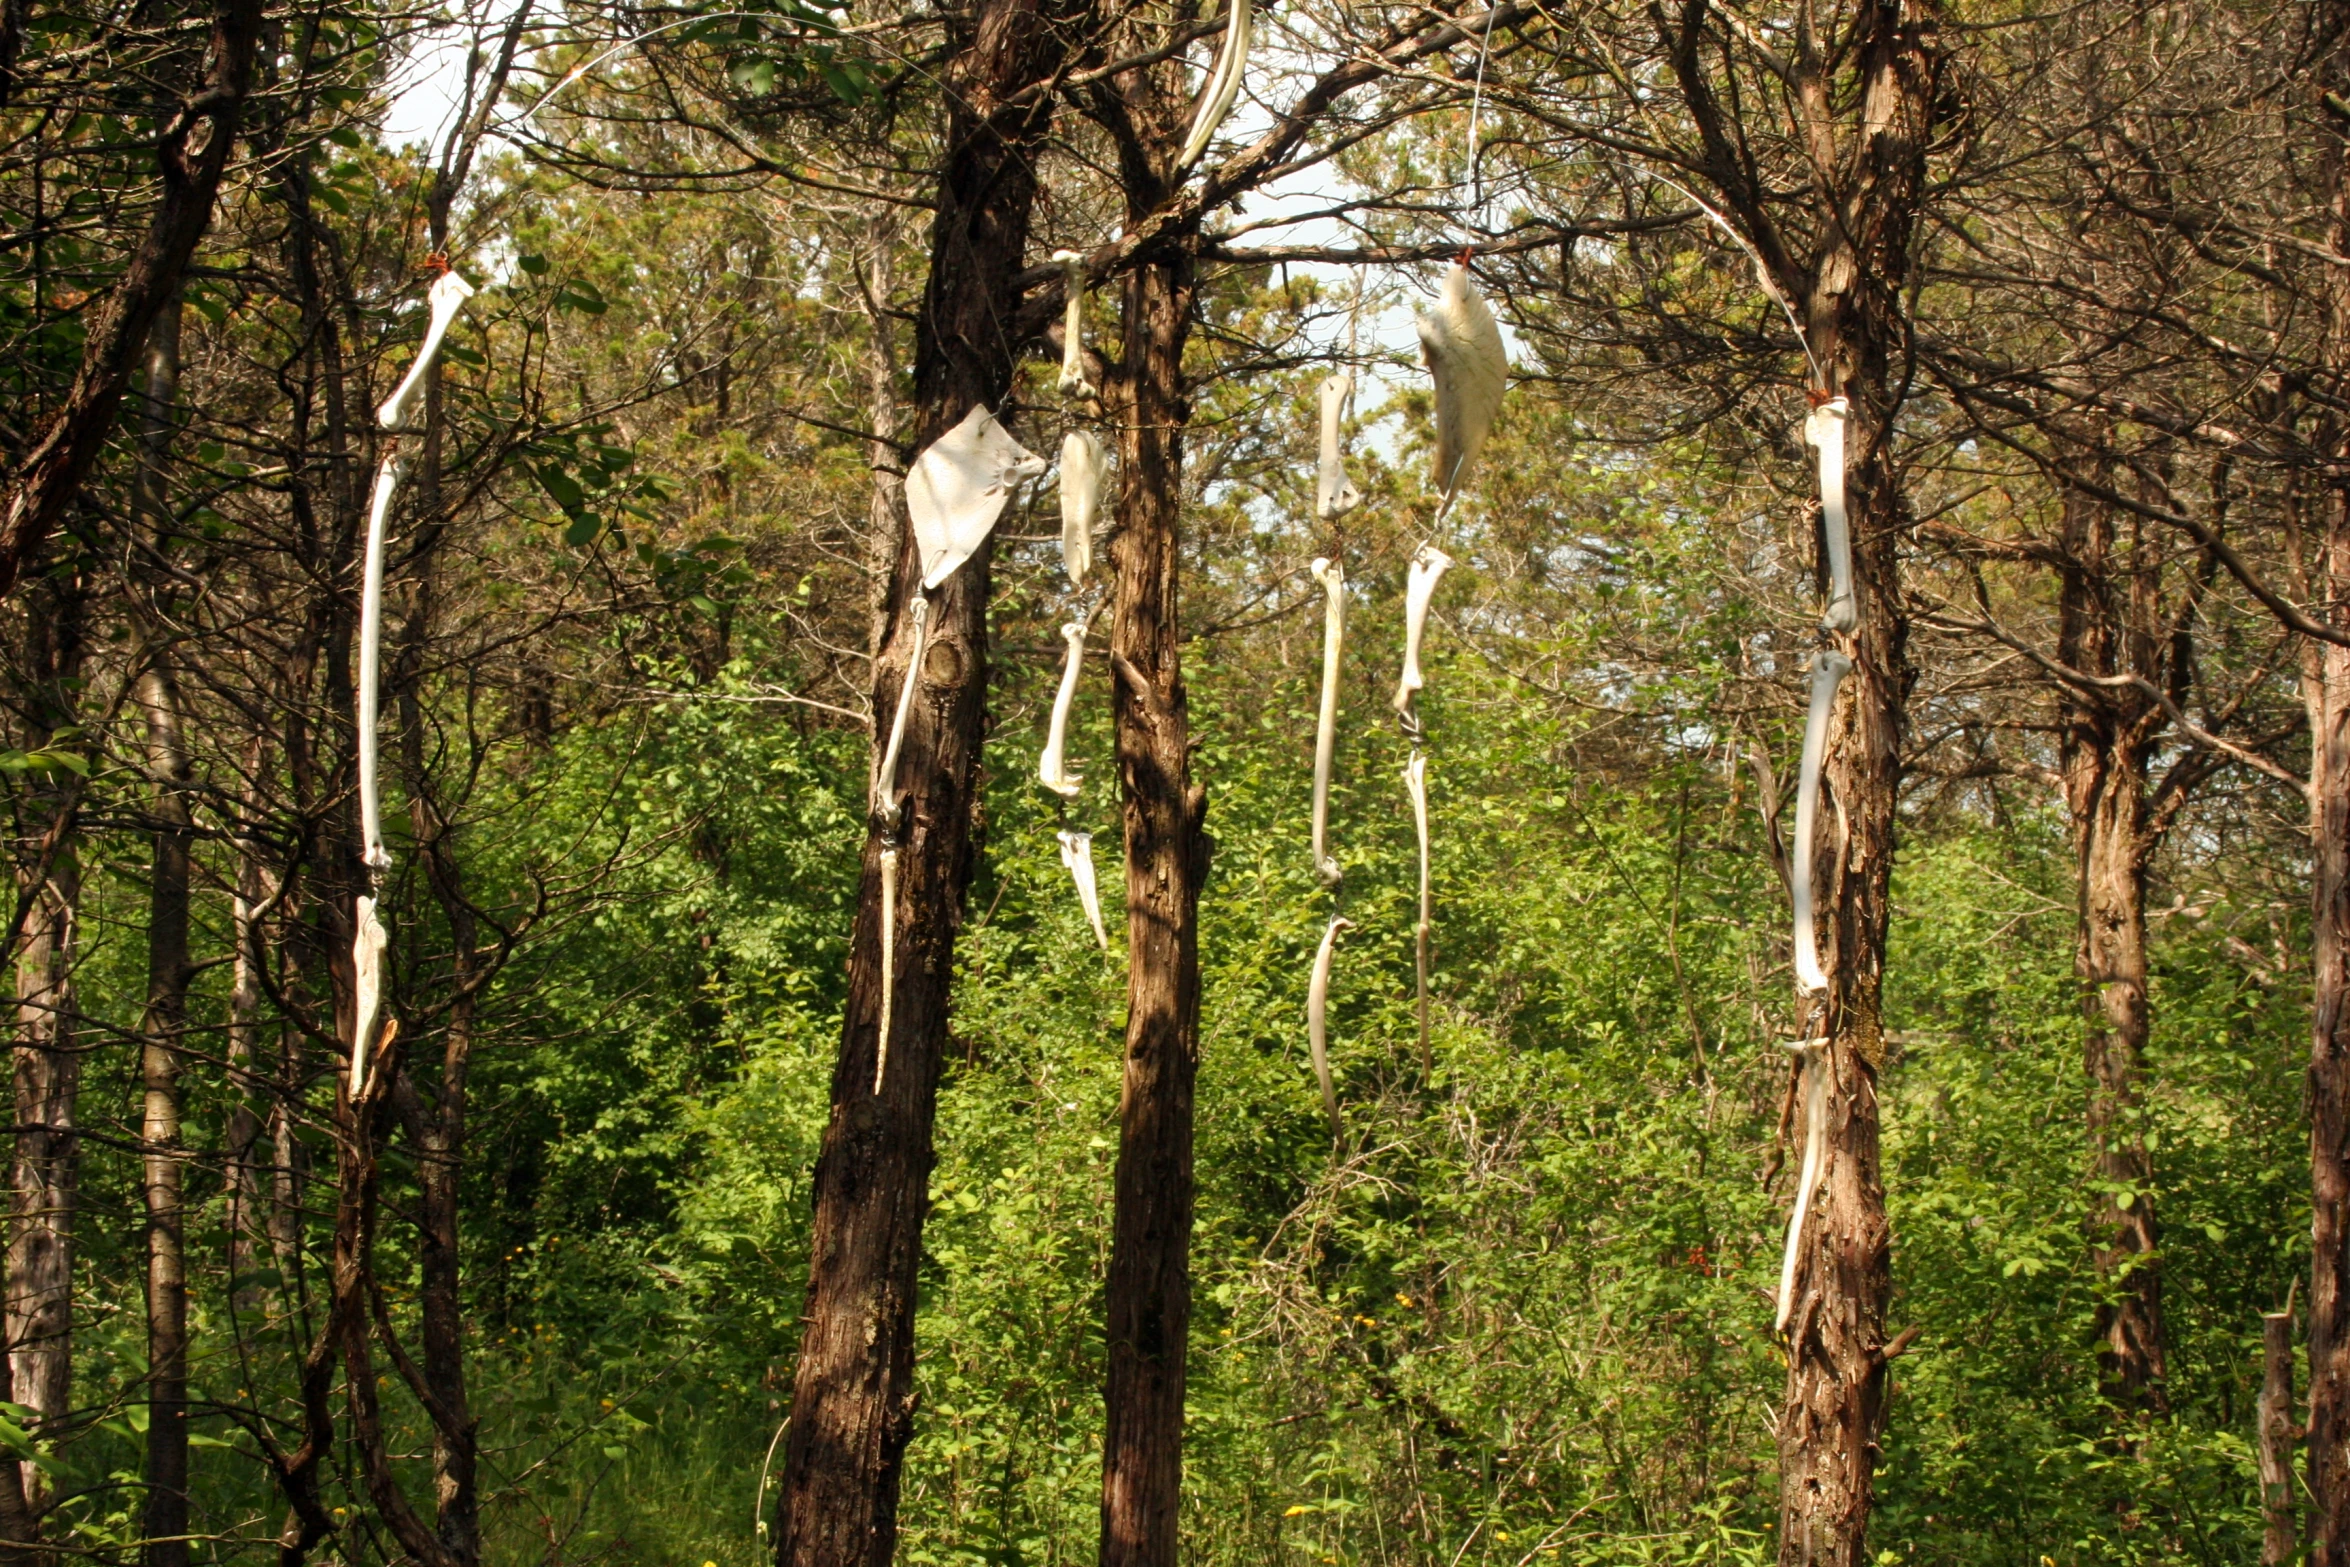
[{"x": 1476, "y": 109}]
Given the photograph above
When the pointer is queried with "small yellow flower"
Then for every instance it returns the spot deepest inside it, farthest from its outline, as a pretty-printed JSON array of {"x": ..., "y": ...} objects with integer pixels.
[
  {"x": 1294, "y": 1511},
  {"x": 1405, "y": 1301}
]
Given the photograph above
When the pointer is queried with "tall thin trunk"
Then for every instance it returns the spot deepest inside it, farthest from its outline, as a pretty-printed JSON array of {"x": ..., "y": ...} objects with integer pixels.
[
  {"x": 851, "y": 1412},
  {"x": 2280, "y": 1509},
  {"x": 881, "y": 412},
  {"x": 1148, "y": 1302}
]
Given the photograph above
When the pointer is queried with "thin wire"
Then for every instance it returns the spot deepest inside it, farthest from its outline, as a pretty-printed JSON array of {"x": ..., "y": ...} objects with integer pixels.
[
  {"x": 1762, "y": 273},
  {"x": 1477, "y": 106}
]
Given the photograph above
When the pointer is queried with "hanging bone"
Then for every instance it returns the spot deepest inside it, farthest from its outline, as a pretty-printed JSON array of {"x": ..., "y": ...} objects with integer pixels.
[
  {"x": 1084, "y": 464},
  {"x": 368, "y": 942},
  {"x": 1334, "y": 493},
  {"x": 1073, "y": 381},
  {"x": 1223, "y": 85},
  {"x": 1429, "y": 565},
  {"x": 1415, "y": 781},
  {"x": 1077, "y": 859},
  {"x": 1464, "y": 352},
  {"x": 1828, "y": 669},
  {"x": 1052, "y": 770},
  {"x": 1812, "y": 1061},
  {"x": 1823, "y": 430},
  {"x": 446, "y": 297},
  {"x": 958, "y": 487},
  {"x": 1318, "y": 1020},
  {"x": 1333, "y": 579},
  {"x": 889, "y": 960}
]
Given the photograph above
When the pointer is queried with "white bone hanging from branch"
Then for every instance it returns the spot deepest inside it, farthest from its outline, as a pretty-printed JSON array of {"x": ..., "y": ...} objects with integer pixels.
[
  {"x": 1223, "y": 85},
  {"x": 1823, "y": 431},
  {"x": 1812, "y": 1061},
  {"x": 1077, "y": 859},
  {"x": 1318, "y": 1020},
  {"x": 1828, "y": 669},
  {"x": 1334, "y": 493},
  {"x": 1073, "y": 381},
  {"x": 1333, "y": 580},
  {"x": 1462, "y": 345}
]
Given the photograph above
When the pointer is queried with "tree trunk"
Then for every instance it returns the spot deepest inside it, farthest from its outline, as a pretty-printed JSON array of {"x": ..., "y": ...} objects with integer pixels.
[
  {"x": 2280, "y": 1510},
  {"x": 1149, "y": 1287},
  {"x": 851, "y": 1412}
]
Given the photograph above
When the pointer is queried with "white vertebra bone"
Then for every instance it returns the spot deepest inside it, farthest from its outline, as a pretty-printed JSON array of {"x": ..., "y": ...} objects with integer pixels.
[
  {"x": 1812, "y": 1056},
  {"x": 1077, "y": 857},
  {"x": 1084, "y": 463},
  {"x": 1333, "y": 579},
  {"x": 1223, "y": 85},
  {"x": 1429, "y": 564},
  {"x": 1334, "y": 493},
  {"x": 1823, "y": 430},
  {"x": 1051, "y": 769},
  {"x": 1073, "y": 381},
  {"x": 957, "y": 488},
  {"x": 447, "y": 296},
  {"x": 1828, "y": 669},
  {"x": 1463, "y": 348},
  {"x": 1318, "y": 1019}
]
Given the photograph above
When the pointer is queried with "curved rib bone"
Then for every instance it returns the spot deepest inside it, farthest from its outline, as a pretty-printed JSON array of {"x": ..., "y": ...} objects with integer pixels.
[
  {"x": 1334, "y": 493},
  {"x": 1428, "y": 565},
  {"x": 1223, "y": 85},
  {"x": 1464, "y": 352},
  {"x": 1073, "y": 381},
  {"x": 889, "y": 957},
  {"x": 1318, "y": 1019},
  {"x": 447, "y": 296},
  {"x": 1332, "y": 576},
  {"x": 957, "y": 488},
  {"x": 1828, "y": 669},
  {"x": 1077, "y": 857},
  {"x": 1084, "y": 462},
  {"x": 885, "y": 782},
  {"x": 1823, "y": 430},
  {"x": 1812, "y": 1059},
  {"x": 1051, "y": 770}
]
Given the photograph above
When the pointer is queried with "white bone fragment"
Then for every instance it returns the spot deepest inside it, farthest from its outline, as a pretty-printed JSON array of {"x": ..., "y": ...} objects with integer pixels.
[
  {"x": 1332, "y": 576},
  {"x": 1429, "y": 565},
  {"x": 1077, "y": 858},
  {"x": 1318, "y": 1019},
  {"x": 957, "y": 488},
  {"x": 368, "y": 941},
  {"x": 885, "y": 782},
  {"x": 1464, "y": 352},
  {"x": 1813, "y": 1063},
  {"x": 371, "y": 597},
  {"x": 1415, "y": 779},
  {"x": 1223, "y": 85},
  {"x": 447, "y": 296},
  {"x": 1052, "y": 770},
  {"x": 1823, "y": 430},
  {"x": 1828, "y": 669},
  {"x": 889, "y": 959},
  {"x": 1073, "y": 381},
  {"x": 1084, "y": 462},
  {"x": 1334, "y": 493}
]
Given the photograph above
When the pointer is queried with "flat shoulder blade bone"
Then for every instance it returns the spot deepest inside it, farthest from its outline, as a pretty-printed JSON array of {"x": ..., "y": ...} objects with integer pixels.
[
  {"x": 1462, "y": 346},
  {"x": 958, "y": 487}
]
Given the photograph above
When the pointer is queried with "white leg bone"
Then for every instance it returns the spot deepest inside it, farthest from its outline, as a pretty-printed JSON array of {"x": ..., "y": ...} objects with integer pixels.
[
  {"x": 1428, "y": 566},
  {"x": 1332, "y": 576},
  {"x": 1223, "y": 85},
  {"x": 1823, "y": 430},
  {"x": 1464, "y": 352},
  {"x": 371, "y": 597},
  {"x": 885, "y": 782},
  {"x": 1084, "y": 462},
  {"x": 1334, "y": 493},
  {"x": 368, "y": 941},
  {"x": 1828, "y": 669},
  {"x": 1415, "y": 781},
  {"x": 1813, "y": 1063},
  {"x": 1073, "y": 381},
  {"x": 1077, "y": 859},
  {"x": 1051, "y": 769},
  {"x": 447, "y": 296},
  {"x": 889, "y": 960},
  {"x": 958, "y": 487},
  {"x": 1318, "y": 1019}
]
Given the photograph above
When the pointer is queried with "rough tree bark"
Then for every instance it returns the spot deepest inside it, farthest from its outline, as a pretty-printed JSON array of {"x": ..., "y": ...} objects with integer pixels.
[
  {"x": 192, "y": 150},
  {"x": 2279, "y": 1508},
  {"x": 1148, "y": 1303},
  {"x": 851, "y": 1412}
]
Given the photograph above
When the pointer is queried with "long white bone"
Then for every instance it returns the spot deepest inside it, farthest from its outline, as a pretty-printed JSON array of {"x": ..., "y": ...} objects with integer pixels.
[
  {"x": 1828, "y": 669},
  {"x": 1812, "y": 1057},
  {"x": 1051, "y": 769},
  {"x": 1332, "y": 576},
  {"x": 958, "y": 487},
  {"x": 369, "y": 938},
  {"x": 1334, "y": 493},
  {"x": 1077, "y": 858},
  {"x": 1823, "y": 430},
  {"x": 1464, "y": 352},
  {"x": 1073, "y": 381},
  {"x": 1223, "y": 85},
  {"x": 1415, "y": 781},
  {"x": 368, "y": 941},
  {"x": 447, "y": 296},
  {"x": 1318, "y": 1018},
  {"x": 889, "y": 959},
  {"x": 1084, "y": 463},
  {"x": 885, "y": 782},
  {"x": 1429, "y": 565}
]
